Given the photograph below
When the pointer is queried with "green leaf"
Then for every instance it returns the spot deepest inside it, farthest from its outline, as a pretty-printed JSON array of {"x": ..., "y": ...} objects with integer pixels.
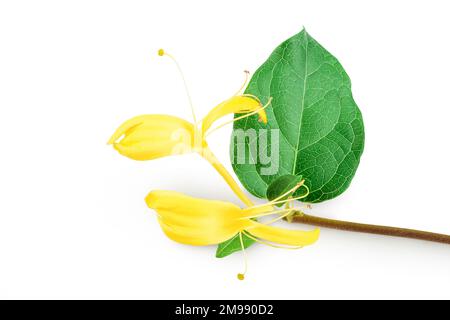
[
  {"x": 233, "y": 245},
  {"x": 320, "y": 128},
  {"x": 282, "y": 185}
]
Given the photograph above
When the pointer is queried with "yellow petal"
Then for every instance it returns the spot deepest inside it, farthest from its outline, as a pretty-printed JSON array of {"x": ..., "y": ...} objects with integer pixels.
[
  {"x": 195, "y": 221},
  {"x": 148, "y": 150},
  {"x": 179, "y": 236},
  {"x": 193, "y": 236},
  {"x": 237, "y": 104},
  {"x": 191, "y": 206},
  {"x": 148, "y": 137},
  {"x": 295, "y": 238}
]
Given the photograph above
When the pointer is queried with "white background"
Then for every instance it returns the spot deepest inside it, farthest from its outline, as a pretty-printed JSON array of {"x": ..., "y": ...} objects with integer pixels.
[{"x": 73, "y": 222}]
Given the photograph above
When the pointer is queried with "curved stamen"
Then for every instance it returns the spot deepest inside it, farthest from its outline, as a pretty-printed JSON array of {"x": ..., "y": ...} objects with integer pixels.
[
  {"x": 291, "y": 191},
  {"x": 269, "y": 213},
  {"x": 240, "y": 117},
  {"x": 251, "y": 96},
  {"x": 290, "y": 199},
  {"x": 161, "y": 53},
  {"x": 241, "y": 276},
  {"x": 279, "y": 218},
  {"x": 277, "y": 200},
  {"x": 295, "y": 198},
  {"x": 247, "y": 74}
]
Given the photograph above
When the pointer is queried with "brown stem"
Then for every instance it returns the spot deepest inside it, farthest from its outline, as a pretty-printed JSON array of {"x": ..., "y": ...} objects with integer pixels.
[{"x": 368, "y": 228}]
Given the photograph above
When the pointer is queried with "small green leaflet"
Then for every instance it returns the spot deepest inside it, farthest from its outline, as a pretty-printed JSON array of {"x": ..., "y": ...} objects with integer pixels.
[
  {"x": 320, "y": 128},
  {"x": 232, "y": 245},
  {"x": 282, "y": 185}
]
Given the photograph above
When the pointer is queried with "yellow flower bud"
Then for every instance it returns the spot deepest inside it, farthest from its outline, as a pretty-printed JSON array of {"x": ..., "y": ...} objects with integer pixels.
[{"x": 149, "y": 137}]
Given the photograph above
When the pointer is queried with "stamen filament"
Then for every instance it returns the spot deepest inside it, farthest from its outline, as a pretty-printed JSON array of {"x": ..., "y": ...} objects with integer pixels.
[
  {"x": 241, "y": 276},
  {"x": 298, "y": 185},
  {"x": 292, "y": 199},
  {"x": 264, "y": 214},
  {"x": 277, "y": 200},
  {"x": 239, "y": 118},
  {"x": 161, "y": 52},
  {"x": 247, "y": 73},
  {"x": 278, "y": 218}
]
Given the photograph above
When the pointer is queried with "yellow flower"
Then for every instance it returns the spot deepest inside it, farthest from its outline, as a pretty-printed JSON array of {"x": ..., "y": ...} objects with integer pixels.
[
  {"x": 153, "y": 136},
  {"x": 148, "y": 137},
  {"x": 202, "y": 222}
]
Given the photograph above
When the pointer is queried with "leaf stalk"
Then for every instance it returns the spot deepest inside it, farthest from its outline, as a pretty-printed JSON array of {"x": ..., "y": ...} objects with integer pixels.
[{"x": 301, "y": 217}]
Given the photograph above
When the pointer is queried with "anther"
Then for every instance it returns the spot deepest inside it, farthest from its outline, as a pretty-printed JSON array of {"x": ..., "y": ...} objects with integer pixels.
[{"x": 160, "y": 52}]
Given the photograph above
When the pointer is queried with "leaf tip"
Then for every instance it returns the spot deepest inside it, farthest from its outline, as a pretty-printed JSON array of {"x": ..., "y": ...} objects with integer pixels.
[{"x": 218, "y": 253}]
